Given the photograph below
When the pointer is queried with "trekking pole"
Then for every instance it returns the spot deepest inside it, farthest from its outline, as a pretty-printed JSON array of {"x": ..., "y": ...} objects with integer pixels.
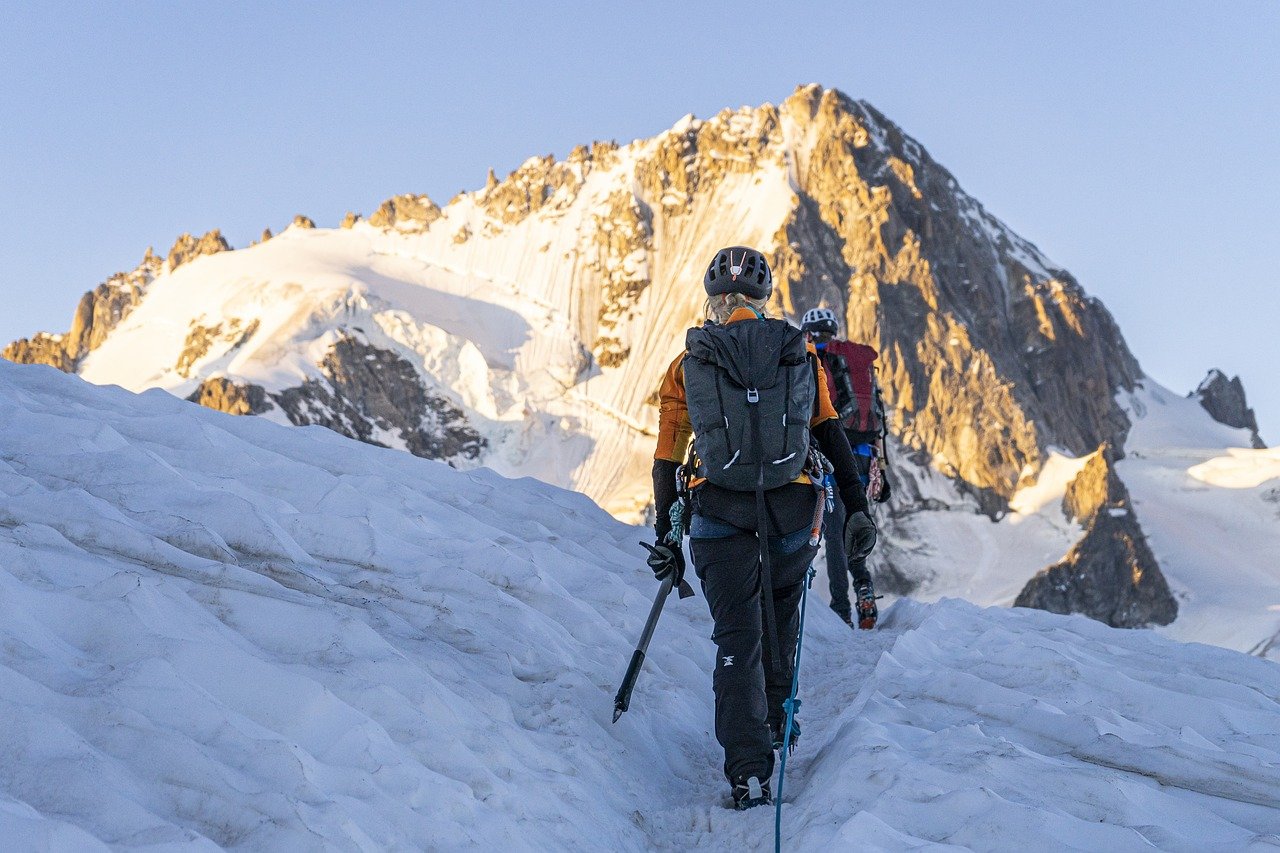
[
  {"x": 791, "y": 705},
  {"x": 622, "y": 701}
]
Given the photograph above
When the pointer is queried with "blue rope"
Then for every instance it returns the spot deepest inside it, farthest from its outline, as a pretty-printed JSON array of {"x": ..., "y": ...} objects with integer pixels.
[{"x": 791, "y": 706}]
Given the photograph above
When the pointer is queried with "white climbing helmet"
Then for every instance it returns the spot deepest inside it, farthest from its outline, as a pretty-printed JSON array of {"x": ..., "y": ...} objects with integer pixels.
[{"x": 820, "y": 320}]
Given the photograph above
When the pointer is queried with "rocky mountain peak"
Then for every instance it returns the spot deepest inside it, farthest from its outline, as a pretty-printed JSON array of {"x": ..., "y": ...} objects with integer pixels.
[
  {"x": 305, "y": 222},
  {"x": 540, "y": 183},
  {"x": 989, "y": 353},
  {"x": 547, "y": 304},
  {"x": 1224, "y": 400},
  {"x": 406, "y": 212},
  {"x": 99, "y": 311},
  {"x": 187, "y": 248}
]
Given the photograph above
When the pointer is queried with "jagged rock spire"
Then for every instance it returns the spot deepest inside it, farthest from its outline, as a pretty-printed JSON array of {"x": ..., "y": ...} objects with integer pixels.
[{"x": 1224, "y": 400}]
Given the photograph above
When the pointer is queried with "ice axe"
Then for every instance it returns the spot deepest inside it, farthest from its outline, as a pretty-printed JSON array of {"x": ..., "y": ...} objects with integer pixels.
[{"x": 622, "y": 701}]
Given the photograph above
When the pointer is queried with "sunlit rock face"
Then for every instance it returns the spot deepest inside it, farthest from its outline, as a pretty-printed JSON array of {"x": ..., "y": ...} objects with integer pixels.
[
  {"x": 234, "y": 398},
  {"x": 990, "y": 352},
  {"x": 187, "y": 248},
  {"x": 408, "y": 212}
]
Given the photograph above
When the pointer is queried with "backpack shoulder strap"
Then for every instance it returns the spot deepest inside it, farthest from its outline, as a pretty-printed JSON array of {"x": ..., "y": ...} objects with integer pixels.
[{"x": 817, "y": 381}]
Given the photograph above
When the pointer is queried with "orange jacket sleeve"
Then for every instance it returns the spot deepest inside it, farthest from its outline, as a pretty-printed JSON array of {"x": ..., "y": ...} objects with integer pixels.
[
  {"x": 674, "y": 429},
  {"x": 825, "y": 409}
]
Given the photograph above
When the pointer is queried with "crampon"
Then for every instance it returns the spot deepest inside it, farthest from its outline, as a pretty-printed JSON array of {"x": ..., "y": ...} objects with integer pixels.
[{"x": 865, "y": 607}]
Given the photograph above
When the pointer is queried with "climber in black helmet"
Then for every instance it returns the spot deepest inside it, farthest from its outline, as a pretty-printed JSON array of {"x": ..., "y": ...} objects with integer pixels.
[{"x": 753, "y": 398}]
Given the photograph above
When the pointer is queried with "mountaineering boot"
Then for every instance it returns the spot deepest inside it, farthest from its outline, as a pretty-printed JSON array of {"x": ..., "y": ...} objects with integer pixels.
[
  {"x": 866, "y": 606},
  {"x": 749, "y": 792},
  {"x": 779, "y": 732}
]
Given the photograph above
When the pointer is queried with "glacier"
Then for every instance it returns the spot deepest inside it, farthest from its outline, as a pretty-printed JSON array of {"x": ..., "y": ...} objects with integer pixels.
[{"x": 221, "y": 632}]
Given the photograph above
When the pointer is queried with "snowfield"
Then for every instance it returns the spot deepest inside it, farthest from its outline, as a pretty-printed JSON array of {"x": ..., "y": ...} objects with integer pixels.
[
  {"x": 1210, "y": 506},
  {"x": 220, "y": 632}
]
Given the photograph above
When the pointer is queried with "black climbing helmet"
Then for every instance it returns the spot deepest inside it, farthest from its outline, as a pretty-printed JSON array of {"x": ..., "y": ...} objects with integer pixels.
[{"x": 739, "y": 269}]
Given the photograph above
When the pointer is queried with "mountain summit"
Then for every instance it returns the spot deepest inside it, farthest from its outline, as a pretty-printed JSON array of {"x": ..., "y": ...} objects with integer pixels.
[{"x": 525, "y": 326}]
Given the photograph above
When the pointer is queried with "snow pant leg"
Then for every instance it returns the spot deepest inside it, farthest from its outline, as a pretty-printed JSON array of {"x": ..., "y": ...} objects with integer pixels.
[
  {"x": 729, "y": 568},
  {"x": 837, "y": 563},
  {"x": 788, "y": 571}
]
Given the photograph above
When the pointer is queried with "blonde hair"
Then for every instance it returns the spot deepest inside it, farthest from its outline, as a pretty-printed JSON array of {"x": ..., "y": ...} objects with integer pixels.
[{"x": 720, "y": 307}]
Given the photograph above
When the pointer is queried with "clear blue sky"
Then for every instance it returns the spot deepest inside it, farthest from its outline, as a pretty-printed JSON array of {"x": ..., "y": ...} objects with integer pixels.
[{"x": 1138, "y": 144}]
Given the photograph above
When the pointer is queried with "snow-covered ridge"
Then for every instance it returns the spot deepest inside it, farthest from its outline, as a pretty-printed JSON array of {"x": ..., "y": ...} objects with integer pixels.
[{"x": 220, "y": 632}]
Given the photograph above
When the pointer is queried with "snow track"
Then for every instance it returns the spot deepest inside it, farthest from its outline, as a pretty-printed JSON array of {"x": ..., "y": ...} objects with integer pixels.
[
  {"x": 994, "y": 729},
  {"x": 219, "y": 632}
]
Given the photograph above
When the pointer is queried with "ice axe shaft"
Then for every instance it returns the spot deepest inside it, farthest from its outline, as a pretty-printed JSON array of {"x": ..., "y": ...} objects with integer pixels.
[{"x": 622, "y": 701}]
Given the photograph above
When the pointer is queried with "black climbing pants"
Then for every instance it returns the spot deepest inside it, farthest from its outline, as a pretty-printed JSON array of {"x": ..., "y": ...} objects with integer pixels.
[
  {"x": 839, "y": 567},
  {"x": 749, "y": 693}
]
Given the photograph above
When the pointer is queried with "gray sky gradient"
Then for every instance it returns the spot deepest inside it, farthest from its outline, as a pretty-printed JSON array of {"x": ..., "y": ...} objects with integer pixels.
[{"x": 1137, "y": 143}]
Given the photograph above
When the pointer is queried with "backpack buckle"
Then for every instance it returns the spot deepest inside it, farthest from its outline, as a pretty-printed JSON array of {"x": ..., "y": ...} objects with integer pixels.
[{"x": 753, "y": 395}]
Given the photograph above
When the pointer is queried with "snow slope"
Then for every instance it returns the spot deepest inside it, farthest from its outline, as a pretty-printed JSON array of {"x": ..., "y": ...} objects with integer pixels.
[
  {"x": 1211, "y": 508},
  {"x": 500, "y": 322},
  {"x": 220, "y": 632},
  {"x": 1208, "y": 503}
]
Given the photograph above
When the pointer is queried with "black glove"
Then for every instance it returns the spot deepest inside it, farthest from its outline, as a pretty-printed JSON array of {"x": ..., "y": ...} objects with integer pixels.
[
  {"x": 665, "y": 559},
  {"x": 884, "y": 487},
  {"x": 859, "y": 535}
]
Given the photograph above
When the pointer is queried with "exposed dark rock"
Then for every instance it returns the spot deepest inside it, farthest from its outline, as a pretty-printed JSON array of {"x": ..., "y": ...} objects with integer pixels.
[
  {"x": 187, "y": 248},
  {"x": 370, "y": 390},
  {"x": 350, "y": 219},
  {"x": 301, "y": 221},
  {"x": 1224, "y": 400},
  {"x": 234, "y": 398},
  {"x": 1110, "y": 574},
  {"x": 314, "y": 402}
]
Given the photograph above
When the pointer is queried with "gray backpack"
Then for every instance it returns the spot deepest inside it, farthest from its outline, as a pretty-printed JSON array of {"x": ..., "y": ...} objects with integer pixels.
[{"x": 750, "y": 390}]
